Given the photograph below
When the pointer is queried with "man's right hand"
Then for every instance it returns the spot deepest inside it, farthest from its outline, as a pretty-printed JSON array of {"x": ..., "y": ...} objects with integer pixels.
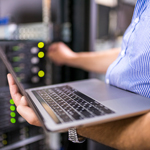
[
  {"x": 60, "y": 53},
  {"x": 98, "y": 62}
]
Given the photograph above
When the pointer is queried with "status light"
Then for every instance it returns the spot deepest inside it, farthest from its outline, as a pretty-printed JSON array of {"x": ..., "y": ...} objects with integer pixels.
[
  {"x": 13, "y": 120},
  {"x": 40, "y": 45},
  {"x": 41, "y": 73},
  {"x": 19, "y": 79},
  {"x": 4, "y": 142},
  {"x": 12, "y": 102},
  {"x": 41, "y": 54},
  {"x": 16, "y": 59},
  {"x": 15, "y": 48},
  {"x": 17, "y": 69},
  {"x": 13, "y": 114},
  {"x": 12, "y": 108}
]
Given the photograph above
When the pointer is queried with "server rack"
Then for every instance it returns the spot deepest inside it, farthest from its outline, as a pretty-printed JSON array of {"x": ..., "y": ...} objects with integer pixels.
[
  {"x": 28, "y": 61},
  {"x": 71, "y": 27}
]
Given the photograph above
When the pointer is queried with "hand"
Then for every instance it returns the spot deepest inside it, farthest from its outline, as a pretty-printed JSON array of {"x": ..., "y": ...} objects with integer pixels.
[
  {"x": 60, "y": 53},
  {"x": 22, "y": 106}
]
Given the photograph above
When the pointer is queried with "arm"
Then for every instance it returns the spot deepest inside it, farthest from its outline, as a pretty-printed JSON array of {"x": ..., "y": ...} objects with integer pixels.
[
  {"x": 90, "y": 61},
  {"x": 127, "y": 134}
]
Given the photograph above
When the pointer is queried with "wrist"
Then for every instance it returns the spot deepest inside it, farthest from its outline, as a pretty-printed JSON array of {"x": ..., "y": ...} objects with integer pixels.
[
  {"x": 72, "y": 59},
  {"x": 75, "y": 137}
]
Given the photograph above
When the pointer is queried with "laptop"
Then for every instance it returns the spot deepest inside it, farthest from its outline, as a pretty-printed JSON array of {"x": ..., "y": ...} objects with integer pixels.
[{"x": 80, "y": 103}]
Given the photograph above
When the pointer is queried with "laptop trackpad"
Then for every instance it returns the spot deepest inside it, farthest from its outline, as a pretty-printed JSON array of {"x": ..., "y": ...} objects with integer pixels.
[{"x": 129, "y": 104}]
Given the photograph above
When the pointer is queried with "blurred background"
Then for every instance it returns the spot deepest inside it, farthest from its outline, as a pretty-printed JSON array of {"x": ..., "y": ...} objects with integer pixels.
[{"x": 26, "y": 29}]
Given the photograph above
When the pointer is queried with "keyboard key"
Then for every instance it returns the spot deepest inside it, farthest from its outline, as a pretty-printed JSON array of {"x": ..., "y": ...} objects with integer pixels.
[{"x": 95, "y": 111}]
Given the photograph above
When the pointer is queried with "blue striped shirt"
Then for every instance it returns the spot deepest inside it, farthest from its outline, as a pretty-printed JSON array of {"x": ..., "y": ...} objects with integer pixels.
[{"x": 131, "y": 70}]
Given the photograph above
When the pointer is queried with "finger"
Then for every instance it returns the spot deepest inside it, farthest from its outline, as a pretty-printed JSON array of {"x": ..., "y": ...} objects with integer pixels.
[
  {"x": 14, "y": 91},
  {"x": 28, "y": 114},
  {"x": 23, "y": 101},
  {"x": 52, "y": 47}
]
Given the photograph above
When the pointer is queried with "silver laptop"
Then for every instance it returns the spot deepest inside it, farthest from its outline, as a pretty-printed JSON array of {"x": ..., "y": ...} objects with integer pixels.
[{"x": 80, "y": 103}]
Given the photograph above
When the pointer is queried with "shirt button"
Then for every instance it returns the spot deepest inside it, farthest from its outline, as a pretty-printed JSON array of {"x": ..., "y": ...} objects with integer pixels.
[
  {"x": 107, "y": 81},
  {"x": 136, "y": 20},
  {"x": 122, "y": 52}
]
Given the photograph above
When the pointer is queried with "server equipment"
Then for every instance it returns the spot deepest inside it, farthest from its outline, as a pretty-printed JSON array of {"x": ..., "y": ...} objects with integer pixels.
[{"x": 28, "y": 61}]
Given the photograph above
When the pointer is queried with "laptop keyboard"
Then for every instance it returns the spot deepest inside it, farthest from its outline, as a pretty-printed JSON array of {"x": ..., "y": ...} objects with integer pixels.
[{"x": 70, "y": 104}]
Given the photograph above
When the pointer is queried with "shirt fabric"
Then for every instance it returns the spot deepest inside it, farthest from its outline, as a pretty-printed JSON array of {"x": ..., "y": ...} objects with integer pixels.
[{"x": 131, "y": 70}]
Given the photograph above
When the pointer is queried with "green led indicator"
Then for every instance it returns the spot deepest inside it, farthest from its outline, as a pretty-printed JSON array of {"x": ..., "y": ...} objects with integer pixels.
[
  {"x": 16, "y": 59},
  {"x": 15, "y": 48},
  {"x": 40, "y": 45},
  {"x": 13, "y": 120},
  {"x": 41, "y": 54},
  {"x": 13, "y": 114},
  {"x": 19, "y": 79},
  {"x": 12, "y": 108},
  {"x": 17, "y": 69},
  {"x": 12, "y": 102},
  {"x": 26, "y": 129},
  {"x": 41, "y": 73}
]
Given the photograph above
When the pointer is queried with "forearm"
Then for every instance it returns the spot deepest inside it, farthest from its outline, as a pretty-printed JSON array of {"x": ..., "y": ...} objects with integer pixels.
[
  {"x": 127, "y": 134},
  {"x": 94, "y": 61}
]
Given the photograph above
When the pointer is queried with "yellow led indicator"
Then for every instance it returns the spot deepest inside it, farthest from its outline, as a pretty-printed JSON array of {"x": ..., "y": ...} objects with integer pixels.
[
  {"x": 13, "y": 114},
  {"x": 13, "y": 120},
  {"x": 12, "y": 102},
  {"x": 41, "y": 54},
  {"x": 41, "y": 73},
  {"x": 12, "y": 108},
  {"x": 4, "y": 142},
  {"x": 40, "y": 45}
]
